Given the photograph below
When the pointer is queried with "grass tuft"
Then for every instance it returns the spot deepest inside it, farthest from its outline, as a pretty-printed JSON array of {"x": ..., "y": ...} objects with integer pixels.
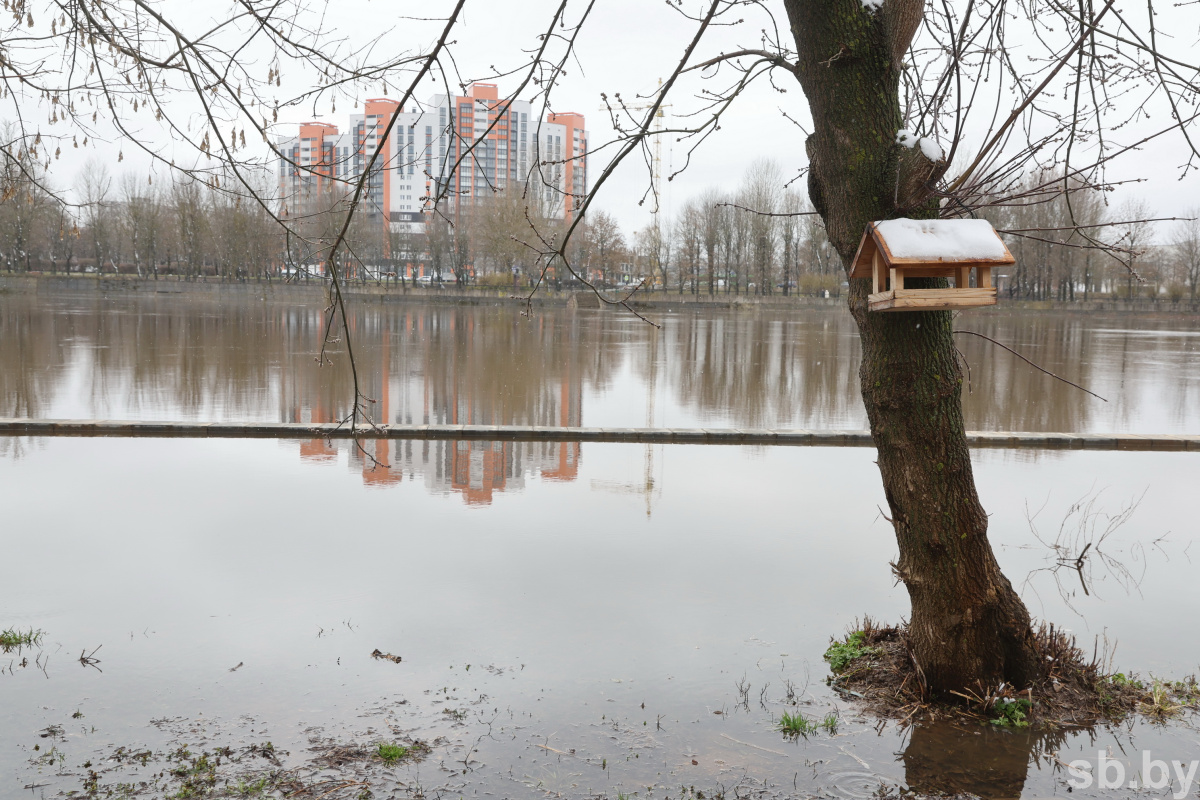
[
  {"x": 853, "y": 647},
  {"x": 12, "y": 638},
  {"x": 1160, "y": 702},
  {"x": 197, "y": 776},
  {"x": 799, "y": 725},
  {"x": 1120, "y": 679},
  {"x": 250, "y": 788},
  {"x": 391, "y": 753}
]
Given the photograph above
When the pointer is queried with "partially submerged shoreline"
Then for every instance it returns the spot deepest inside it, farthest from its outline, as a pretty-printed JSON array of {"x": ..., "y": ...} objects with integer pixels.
[
  {"x": 49, "y": 284},
  {"x": 431, "y": 745}
]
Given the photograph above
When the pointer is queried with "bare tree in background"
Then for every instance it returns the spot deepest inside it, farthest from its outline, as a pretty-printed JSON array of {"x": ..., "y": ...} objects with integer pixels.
[
  {"x": 141, "y": 220},
  {"x": 1054, "y": 239},
  {"x": 1134, "y": 235},
  {"x": 25, "y": 208},
  {"x": 761, "y": 191},
  {"x": 653, "y": 247},
  {"x": 462, "y": 237},
  {"x": 439, "y": 244},
  {"x": 711, "y": 211},
  {"x": 502, "y": 225},
  {"x": 819, "y": 256},
  {"x": 791, "y": 206},
  {"x": 603, "y": 245},
  {"x": 1186, "y": 243},
  {"x": 688, "y": 233},
  {"x": 730, "y": 239},
  {"x": 191, "y": 223},
  {"x": 96, "y": 189},
  {"x": 64, "y": 239}
]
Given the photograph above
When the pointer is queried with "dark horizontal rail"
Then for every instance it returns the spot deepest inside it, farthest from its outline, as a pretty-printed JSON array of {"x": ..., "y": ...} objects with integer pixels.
[{"x": 533, "y": 433}]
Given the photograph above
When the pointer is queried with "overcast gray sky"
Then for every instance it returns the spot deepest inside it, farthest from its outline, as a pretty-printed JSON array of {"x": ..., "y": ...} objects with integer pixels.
[{"x": 626, "y": 47}]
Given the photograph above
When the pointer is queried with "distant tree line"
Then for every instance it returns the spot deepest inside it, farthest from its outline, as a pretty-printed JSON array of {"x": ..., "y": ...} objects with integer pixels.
[
  {"x": 132, "y": 225},
  {"x": 1058, "y": 259},
  {"x": 761, "y": 238}
]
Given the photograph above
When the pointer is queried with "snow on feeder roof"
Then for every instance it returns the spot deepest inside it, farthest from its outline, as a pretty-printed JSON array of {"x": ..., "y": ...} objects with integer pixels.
[{"x": 896, "y": 249}]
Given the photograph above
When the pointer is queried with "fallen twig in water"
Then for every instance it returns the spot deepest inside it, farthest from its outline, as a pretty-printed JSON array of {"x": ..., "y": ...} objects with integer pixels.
[
  {"x": 756, "y": 747},
  {"x": 552, "y": 750},
  {"x": 89, "y": 659},
  {"x": 864, "y": 764}
]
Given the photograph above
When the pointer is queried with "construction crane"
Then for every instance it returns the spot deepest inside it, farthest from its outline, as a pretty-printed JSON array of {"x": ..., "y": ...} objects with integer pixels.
[
  {"x": 649, "y": 486},
  {"x": 656, "y": 163},
  {"x": 657, "y": 130}
]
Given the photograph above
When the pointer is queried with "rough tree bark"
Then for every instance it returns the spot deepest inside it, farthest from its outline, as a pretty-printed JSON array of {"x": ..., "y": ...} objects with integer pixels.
[{"x": 969, "y": 628}]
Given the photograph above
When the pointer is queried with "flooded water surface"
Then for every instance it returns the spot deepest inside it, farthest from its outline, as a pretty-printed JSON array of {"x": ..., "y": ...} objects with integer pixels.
[
  {"x": 169, "y": 358},
  {"x": 572, "y": 620}
]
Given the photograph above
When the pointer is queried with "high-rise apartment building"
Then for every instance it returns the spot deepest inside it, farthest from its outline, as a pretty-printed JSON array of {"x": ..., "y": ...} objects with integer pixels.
[{"x": 459, "y": 151}]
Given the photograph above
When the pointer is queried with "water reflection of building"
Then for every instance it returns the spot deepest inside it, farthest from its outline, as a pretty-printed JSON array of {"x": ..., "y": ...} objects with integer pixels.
[
  {"x": 317, "y": 450},
  {"x": 475, "y": 469},
  {"x": 472, "y": 385}
]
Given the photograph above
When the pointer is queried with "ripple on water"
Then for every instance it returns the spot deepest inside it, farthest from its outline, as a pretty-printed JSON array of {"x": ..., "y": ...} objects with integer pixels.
[{"x": 852, "y": 784}]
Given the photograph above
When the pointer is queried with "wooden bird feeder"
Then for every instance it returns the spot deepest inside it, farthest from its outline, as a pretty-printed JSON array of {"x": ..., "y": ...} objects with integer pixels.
[{"x": 897, "y": 249}]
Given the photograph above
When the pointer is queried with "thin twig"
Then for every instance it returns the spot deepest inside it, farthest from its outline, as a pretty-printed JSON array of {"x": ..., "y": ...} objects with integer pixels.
[
  {"x": 771, "y": 213},
  {"x": 1030, "y": 363}
]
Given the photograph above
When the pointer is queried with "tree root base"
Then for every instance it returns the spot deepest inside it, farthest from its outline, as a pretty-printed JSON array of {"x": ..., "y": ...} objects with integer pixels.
[{"x": 1076, "y": 692}]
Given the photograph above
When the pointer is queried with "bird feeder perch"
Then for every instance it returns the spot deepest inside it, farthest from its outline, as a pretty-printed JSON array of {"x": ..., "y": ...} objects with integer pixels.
[{"x": 895, "y": 250}]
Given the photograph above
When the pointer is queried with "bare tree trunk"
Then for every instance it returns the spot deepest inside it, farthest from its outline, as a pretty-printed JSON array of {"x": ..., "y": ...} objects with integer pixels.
[{"x": 968, "y": 625}]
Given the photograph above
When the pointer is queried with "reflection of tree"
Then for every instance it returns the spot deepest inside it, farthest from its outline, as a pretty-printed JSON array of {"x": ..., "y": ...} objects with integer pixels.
[
  {"x": 485, "y": 366},
  {"x": 988, "y": 762},
  {"x": 31, "y": 362},
  {"x": 1007, "y": 394},
  {"x": 761, "y": 370},
  {"x": 163, "y": 357}
]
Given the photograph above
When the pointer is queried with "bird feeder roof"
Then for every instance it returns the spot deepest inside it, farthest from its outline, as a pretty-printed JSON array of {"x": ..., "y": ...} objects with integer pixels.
[{"x": 930, "y": 243}]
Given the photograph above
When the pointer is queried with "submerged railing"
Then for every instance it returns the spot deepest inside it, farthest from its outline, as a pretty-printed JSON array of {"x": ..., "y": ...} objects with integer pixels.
[{"x": 534, "y": 433}]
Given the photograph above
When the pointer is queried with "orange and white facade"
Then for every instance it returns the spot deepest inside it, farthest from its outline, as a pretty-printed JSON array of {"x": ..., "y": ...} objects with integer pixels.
[
  {"x": 309, "y": 167},
  {"x": 574, "y": 155},
  {"x": 460, "y": 150}
]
